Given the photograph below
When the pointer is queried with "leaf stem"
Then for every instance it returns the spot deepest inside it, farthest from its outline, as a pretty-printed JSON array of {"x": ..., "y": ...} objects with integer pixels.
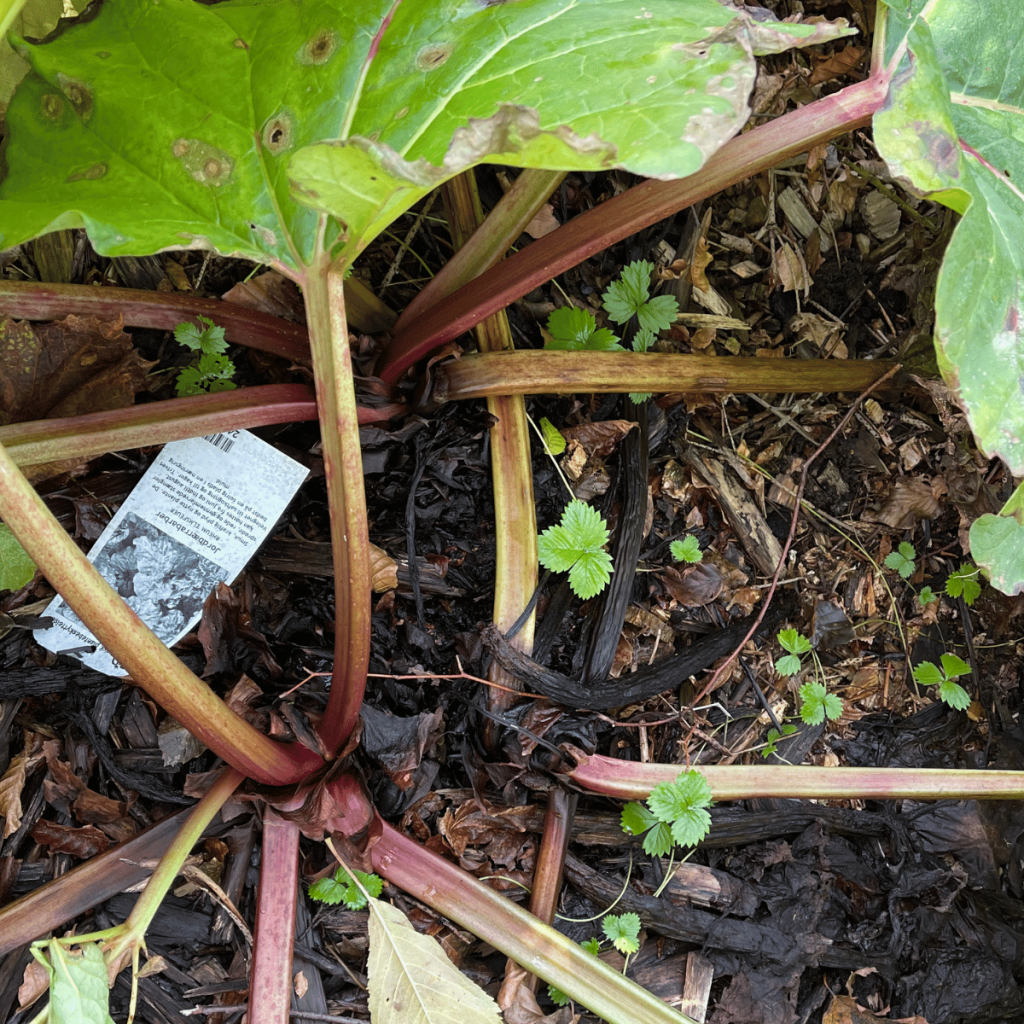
[{"x": 343, "y": 467}]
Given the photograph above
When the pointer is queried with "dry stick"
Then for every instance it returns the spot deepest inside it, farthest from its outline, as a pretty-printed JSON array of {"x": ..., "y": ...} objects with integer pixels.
[{"x": 794, "y": 519}]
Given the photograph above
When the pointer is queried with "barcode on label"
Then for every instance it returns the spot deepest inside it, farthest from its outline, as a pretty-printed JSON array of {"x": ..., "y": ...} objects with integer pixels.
[{"x": 221, "y": 441}]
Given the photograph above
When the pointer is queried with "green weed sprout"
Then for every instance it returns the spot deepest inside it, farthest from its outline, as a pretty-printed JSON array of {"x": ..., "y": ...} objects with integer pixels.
[
  {"x": 631, "y": 295},
  {"x": 212, "y": 371},
  {"x": 576, "y": 544},
  {"x": 686, "y": 550},
  {"x": 903, "y": 560},
  {"x": 341, "y": 887},
  {"x": 622, "y": 931},
  {"x": 930, "y": 674},
  {"x": 816, "y": 703},
  {"x": 576, "y": 330},
  {"x": 774, "y": 735},
  {"x": 675, "y": 813},
  {"x": 964, "y": 583}
]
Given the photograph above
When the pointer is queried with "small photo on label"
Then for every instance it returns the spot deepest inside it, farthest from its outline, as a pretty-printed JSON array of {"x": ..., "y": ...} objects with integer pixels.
[{"x": 164, "y": 582}]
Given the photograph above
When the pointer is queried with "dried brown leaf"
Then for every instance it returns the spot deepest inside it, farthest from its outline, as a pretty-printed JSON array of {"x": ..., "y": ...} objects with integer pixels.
[
  {"x": 598, "y": 440},
  {"x": 66, "y": 368},
  {"x": 83, "y": 843},
  {"x": 11, "y": 785},
  {"x": 837, "y": 65},
  {"x": 695, "y": 586},
  {"x": 912, "y": 498},
  {"x": 543, "y": 223},
  {"x": 269, "y": 293}
]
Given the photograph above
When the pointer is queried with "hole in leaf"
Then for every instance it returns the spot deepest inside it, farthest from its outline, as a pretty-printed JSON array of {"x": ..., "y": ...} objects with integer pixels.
[{"x": 277, "y": 133}]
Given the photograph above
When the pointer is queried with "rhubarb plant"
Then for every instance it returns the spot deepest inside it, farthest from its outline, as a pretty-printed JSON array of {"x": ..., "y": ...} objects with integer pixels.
[
  {"x": 271, "y": 136},
  {"x": 256, "y": 130}
]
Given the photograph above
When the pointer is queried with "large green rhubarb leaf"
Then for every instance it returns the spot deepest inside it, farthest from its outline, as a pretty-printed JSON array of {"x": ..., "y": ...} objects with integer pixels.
[
  {"x": 170, "y": 123},
  {"x": 953, "y": 126}
]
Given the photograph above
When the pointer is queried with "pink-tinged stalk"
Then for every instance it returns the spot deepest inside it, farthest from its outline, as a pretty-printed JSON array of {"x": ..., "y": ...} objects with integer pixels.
[
  {"x": 270, "y": 983},
  {"x": 627, "y": 780},
  {"x": 343, "y": 469},
  {"x": 644, "y": 204},
  {"x": 514, "y": 931},
  {"x": 32, "y": 300},
  {"x": 95, "y": 433},
  {"x": 143, "y": 656}
]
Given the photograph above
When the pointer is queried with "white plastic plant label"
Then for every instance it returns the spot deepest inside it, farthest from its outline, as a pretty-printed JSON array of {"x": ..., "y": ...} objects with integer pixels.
[{"x": 194, "y": 520}]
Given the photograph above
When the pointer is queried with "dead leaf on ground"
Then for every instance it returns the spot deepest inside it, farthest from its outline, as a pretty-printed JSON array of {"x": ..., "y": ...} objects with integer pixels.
[
  {"x": 543, "y": 223},
  {"x": 66, "y": 368},
  {"x": 788, "y": 271},
  {"x": 912, "y": 498},
  {"x": 11, "y": 785},
  {"x": 598, "y": 440},
  {"x": 269, "y": 293},
  {"x": 837, "y": 65},
  {"x": 693, "y": 587},
  {"x": 82, "y": 843}
]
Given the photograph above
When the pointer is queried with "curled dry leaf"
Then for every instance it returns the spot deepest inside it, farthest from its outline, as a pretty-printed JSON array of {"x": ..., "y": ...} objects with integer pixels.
[
  {"x": 598, "y": 440},
  {"x": 82, "y": 843},
  {"x": 911, "y": 499},
  {"x": 837, "y": 65},
  {"x": 66, "y": 368}
]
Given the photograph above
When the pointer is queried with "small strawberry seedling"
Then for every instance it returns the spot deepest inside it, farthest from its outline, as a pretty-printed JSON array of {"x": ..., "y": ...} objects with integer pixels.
[
  {"x": 576, "y": 545},
  {"x": 964, "y": 583},
  {"x": 686, "y": 550},
  {"x": 950, "y": 691},
  {"x": 903, "y": 560},
  {"x": 622, "y": 931},
  {"x": 675, "y": 813}
]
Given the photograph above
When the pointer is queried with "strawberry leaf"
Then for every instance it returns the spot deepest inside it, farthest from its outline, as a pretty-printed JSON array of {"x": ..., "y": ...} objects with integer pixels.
[{"x": 576, "y": 546}]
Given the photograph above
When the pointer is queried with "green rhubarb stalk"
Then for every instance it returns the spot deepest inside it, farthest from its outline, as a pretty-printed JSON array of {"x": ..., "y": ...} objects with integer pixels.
[
  {"x": 643, "y": 205},
  {"x": 144, "y": 657},
  {"x": 559, "y": 372},
  {"x": 343, "y": 467},
  {"x": 515, "y": 577},
  {"x": 132, "y": 934},
  {"x": 489, "y": 242},
  {"x": 537, "y": 947}
]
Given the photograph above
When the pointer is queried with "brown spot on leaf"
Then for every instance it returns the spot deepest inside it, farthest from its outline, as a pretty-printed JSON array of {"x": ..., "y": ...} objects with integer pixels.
[
  {"x": 204, "y": 163},
  {"x": 89, "y": 174},
  {"x": 52, "y": 106},
  {"x": 240, "y": 44},
  {"x": 277, "y": 133},
  {"x": 78, "y": 94},
  {"x": 320, "y": 48},
  {"x": 433, "y": 56}
]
